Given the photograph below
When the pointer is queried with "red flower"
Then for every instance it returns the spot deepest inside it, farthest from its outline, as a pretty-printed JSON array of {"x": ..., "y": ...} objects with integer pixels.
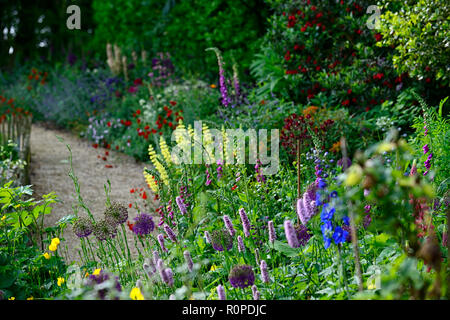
[
  {"x": 346, "y": 102},
  {"x": 233, "y": 187},
  {"x": 359, "y": 31},
  {"x": 138, "y": 111},
  {"x": 108, "y": 166},
  {"x": 137, "y": 82},
  {"x": 95, "y": 145},
  {"x": 109, "y": 124},
  {"x": 131, "y": 190},
  {"x": 349, "y": 91},
  {"x": 378, "y": 37},
  {"x": 130, "y": 225},
  {"x": 117, "y": 147},
  {"x": 313, "y": 8},
  {"x": 144, "y": 196},
  {"x": 130, "y": 205},
  {"x": 287, "y": 56},
  {"x": 173, "y": 103}
]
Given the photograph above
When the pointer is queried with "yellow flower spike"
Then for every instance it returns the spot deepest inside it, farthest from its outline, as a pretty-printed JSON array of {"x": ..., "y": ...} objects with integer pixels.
[
  {"x": 165, "y": 150},
  {"x": 97, "y": 271},
  {"x": 46, "y": 256},
  {"x": 150, "y": 181},
  {"x": 136, "y": 294},
  {"x": 60, "y": 281}
]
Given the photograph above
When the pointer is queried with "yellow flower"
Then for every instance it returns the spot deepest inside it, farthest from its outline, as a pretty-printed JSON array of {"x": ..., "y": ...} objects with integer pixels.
[
  {"x": 213, "y": 86},
  {"x": 151, "y": 181},
  {"x": 46, "y": 256},
  {"x": 97, "y": 271},
  {"x": 30, "y": 298},
  {"x": 56, "y": 241},
  {"x": 165, "y": 150},
  {"x": 60, "y": 281},
  {"x": 136, "y": 294},
  {"x": 354, "y": 176},
  {"x": 52, "y": 247},
  {"x": 159, "y": 167},
  {"x": 3, "y": 218},
  {"x": 336, "y": 147},
  {"x": 12, "y": 298},
  {"x": 213, "y": 268}
]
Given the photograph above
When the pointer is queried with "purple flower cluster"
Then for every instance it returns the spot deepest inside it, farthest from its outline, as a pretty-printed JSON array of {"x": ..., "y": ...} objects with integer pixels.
[
  {"x": 303, "y": 235},
  {"x": 229, "y": 225},
  {"x": 306, "y": 206},
  {"x": 101, "y": 278},
  {"x": 241, "y": 276},
  {"x": 181, "y": 205},
  {"x": 219, "y": 169},
  {"x": 221, "y": 239},
  {"x": 143, "y": 224},
  {"x": 259, "y": 176}
]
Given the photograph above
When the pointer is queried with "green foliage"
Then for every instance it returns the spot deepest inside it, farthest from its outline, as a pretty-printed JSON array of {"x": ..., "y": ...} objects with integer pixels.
[{"x": 419, "y": 31}]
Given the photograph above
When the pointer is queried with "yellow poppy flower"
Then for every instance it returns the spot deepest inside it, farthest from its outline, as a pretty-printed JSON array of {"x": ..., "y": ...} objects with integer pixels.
[
  {"x": 60, "y": 281},
  {"x": 136, "y": 294},
  {"x": 46, "y": 256},
  {"x": 97, "y": 271},
  {"x": 52, "y": 247},
  {"x": 55, "y": 241}
]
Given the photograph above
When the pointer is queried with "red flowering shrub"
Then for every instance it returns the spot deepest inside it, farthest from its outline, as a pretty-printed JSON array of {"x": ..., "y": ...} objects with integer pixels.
[{"x": 325, "y": 48}]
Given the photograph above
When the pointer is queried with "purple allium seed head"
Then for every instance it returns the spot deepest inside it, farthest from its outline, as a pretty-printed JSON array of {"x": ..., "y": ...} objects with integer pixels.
[
  {"x": 221, "y": 239},
  {"x": 83, "y": 227},
  {"x": 105, "y": 230},
  {"x": 255, "y": 293},
  {"x": 229, "y": 225},
  {"x": 264, "y": 273},
  {"x": 241, "y": 276},
  {"x": 245, "y": 222},
  {"x": 272, "y": 234},
  {"x": 291, "y": 235},
  {"x": 169, "y": 276},
  {"x": 143, "y": 224},
  {"x": 181, "y": 205},
  {"x": 303, "y": 235},
  {"x": 161, "y": 242},
  {"x": 240, "y": 242},
  {"x": 170, "y": 233},
  {"x": 221, "y": 292},
  {"x": 188, "y": 259}
]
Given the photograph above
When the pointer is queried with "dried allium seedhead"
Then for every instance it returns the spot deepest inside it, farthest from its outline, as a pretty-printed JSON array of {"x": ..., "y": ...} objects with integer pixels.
[
  {"x": 104, "y": 230},
  {"x": 241, "y": 276},
  {"x": 221, "y": 239},
  {"x": 83, "y": 227},
  {"x": 116, "y": 213}
]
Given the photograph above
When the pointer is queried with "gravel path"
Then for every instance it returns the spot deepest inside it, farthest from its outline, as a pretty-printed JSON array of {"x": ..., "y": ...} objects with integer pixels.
[{"x": 49, "y": 172}]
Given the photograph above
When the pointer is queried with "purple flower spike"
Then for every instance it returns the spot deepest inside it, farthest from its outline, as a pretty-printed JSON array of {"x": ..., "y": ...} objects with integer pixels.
[
  {"x": 189, "y": 262},
  {"x": 255, "y": 293},
  {"x": 229, "y": 225},
  {"x": 291, "y": 235},
  {"x": 161, "y": 242},
  {"x": 170, "y": 233},
  {"x": 241, "y": 246},
  {"x": 264, "y": 273},
  {"x": 245, "y": 222},
  {"x": 181, "y": 205},
  {"x": 221, "y": 292},
  {"x": 272, "y": 234}
]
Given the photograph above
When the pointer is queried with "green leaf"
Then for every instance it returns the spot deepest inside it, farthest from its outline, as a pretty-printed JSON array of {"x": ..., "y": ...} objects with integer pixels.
[{"x": 285, "y": 249}]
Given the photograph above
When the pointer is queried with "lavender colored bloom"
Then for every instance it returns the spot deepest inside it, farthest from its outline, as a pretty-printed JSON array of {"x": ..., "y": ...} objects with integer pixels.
[
  {"x": 426, "y": 148},
  {"x": 344, "y": 162},
  {"x": 367, "y": 220},
  {"x": 291, "y": 235},
  {"x": 366, "y": 192},
  {"x": 309, "y": 204},
  {"x": 241, "y": 246},
  {"x": 264, "y": 273},
  {"x": 208, "y": 237},
  {"x": 245, "y": 222},
  {"x": 229, "y": 225},
  {"x": 161, "y": 242},
  {"x": 221, "y": 239},
  {"x": 241, "y": 276},
  {"x": 170, "y": 233},
  {"x": 155, "y": 256},
  {"x": 83, "y": 227},
  {"x": 255, "y": 293},
  {"x": 189, "y": 262},
  {"x": 221, "y": 292},
  {"x": 367, "y": 208},
  {"x": 181, "y": 205},
  {"x": 301, "y": 211},
  {"x": 143, "y": 224},
  {"x": 272, "y": 234},
  {"x": 169, "y": 275}
]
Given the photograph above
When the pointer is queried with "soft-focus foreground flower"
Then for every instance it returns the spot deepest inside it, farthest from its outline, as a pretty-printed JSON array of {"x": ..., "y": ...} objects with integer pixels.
[
  {"x": 136, "y": 294},
  {"x": 241, "y": 276}
]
